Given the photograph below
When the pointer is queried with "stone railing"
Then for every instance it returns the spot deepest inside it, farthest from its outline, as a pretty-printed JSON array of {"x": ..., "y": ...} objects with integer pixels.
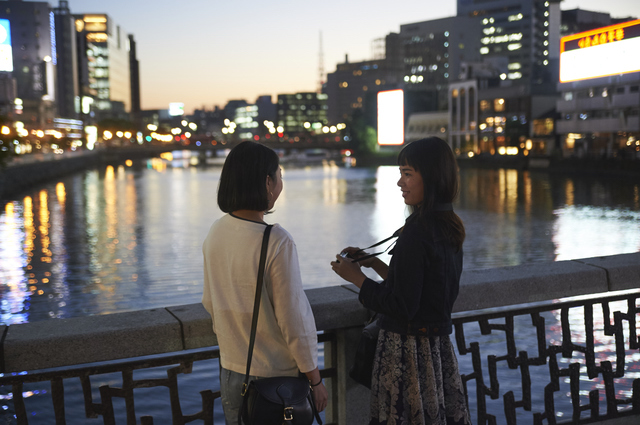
[{"x": 493, "y": 301}]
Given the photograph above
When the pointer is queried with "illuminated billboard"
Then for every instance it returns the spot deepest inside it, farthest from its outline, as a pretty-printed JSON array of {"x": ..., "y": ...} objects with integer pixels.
[
  {"x": 176, "y": 109},
  {"x": 611, "y": 50},
  {"x": 391, "y": 117},
  {"x": 6, "y": 55}
]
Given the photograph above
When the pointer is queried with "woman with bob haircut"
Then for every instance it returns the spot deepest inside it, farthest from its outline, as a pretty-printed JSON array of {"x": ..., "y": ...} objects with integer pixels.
[
  {"x": 415, "y": 377},
  {"x": 286, "y": 339}
]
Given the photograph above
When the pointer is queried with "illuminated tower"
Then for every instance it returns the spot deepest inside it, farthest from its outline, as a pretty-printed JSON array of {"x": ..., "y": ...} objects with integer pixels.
[{"x": 104, "y": 67}]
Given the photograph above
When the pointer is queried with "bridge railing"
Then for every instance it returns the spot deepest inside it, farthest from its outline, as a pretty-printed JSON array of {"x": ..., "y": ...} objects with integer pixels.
[{"x": 542, "y": 343}]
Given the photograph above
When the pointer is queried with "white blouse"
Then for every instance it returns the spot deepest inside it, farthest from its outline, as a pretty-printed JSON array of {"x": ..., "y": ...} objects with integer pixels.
[{"x": 286, "y": 339}]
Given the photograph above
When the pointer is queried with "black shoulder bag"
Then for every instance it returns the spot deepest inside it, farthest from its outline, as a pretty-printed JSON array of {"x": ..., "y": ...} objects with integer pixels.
[{"x": 280, "y": 399}]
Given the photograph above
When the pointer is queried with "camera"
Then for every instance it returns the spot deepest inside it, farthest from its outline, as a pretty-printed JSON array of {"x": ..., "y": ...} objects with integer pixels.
[{"x": 345, "y": 254}]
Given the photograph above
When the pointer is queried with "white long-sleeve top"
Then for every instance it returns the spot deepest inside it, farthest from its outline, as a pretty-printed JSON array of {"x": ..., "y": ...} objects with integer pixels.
[{"x": 286, "y": 339}]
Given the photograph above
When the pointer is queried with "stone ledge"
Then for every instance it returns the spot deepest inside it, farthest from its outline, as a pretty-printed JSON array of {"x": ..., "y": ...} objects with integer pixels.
[
  {"x": 504, "y": 286},
  {"x": 336, "y": 307},
  {"x": 62, "y": 342},
  {"x": 197, "y": 326},
  {"x": 623, "y": 270}
]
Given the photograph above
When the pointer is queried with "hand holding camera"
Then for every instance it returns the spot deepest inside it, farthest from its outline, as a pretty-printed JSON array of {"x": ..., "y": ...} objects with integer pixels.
[{"x": 357, "y": 254}]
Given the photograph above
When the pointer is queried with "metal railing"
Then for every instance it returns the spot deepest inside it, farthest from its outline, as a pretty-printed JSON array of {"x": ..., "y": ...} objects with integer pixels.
[
  {"x": 582, "y": 366},
  {"x": 181, "y": 362}
]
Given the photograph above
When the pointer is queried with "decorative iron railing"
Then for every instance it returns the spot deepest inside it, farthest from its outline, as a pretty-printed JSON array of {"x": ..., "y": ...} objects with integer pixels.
[
  {"x": 182, "y": 364},
  {"x": 578, "y": 336}
]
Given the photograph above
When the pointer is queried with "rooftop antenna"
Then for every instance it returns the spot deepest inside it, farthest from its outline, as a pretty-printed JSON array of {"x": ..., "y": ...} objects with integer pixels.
[{"x": 320, "y": 66}]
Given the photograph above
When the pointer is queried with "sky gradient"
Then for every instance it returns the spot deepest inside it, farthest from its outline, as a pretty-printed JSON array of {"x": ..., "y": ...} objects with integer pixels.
[{"x": 206, "y": 52}]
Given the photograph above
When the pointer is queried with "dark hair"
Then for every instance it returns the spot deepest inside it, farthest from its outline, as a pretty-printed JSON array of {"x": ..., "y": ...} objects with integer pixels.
[
  {"x": 243, "y": 181},
  {"x": 433, "y": 159}
]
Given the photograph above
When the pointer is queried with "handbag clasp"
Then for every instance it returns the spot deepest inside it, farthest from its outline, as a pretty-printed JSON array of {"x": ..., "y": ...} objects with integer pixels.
[
  {"x": 288, "y": 413},
  {"x": 244, "y": 389}
]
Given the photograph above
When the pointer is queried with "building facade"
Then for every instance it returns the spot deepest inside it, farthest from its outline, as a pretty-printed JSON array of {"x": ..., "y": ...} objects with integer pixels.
[
  {"x": 104, "y": 68},
  {"x": 301, "y": 113},
  {"x": 31, "y": 75},
  {"x": 599, "y": 105},
  {"x": 68, "y": 95}
]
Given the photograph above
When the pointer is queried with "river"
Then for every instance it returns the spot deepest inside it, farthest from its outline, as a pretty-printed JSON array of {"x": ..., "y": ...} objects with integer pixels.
[{"x": 128, "y": 238}]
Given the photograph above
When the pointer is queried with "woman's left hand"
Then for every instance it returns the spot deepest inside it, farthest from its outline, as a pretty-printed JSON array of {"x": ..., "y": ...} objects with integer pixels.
[{"x": 348, "y": 270}]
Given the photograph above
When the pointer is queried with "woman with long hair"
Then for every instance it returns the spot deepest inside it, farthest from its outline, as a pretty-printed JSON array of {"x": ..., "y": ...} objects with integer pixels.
[
  {"x": 286, "y": 339},
  {"x": 415, "y": 376}
]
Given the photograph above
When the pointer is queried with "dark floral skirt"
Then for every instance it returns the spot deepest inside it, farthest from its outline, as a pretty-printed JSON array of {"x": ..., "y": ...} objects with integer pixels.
[{"x": 416, "y": 381}]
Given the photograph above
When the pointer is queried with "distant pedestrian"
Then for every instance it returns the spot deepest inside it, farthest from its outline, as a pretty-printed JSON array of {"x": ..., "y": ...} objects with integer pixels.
[
  {"x": 415, "y": 376},
  {"x": 286, "y": 338}
]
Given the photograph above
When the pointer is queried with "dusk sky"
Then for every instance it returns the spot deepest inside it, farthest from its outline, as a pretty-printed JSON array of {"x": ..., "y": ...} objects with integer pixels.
[{"x": 206, "y": 52}]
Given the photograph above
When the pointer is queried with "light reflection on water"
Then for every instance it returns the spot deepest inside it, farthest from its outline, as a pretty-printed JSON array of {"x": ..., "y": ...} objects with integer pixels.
[{"x": 128, "y": 238}]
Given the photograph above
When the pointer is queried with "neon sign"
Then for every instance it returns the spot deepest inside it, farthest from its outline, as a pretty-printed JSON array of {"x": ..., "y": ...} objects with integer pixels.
[{"x": 602, "y": 52}]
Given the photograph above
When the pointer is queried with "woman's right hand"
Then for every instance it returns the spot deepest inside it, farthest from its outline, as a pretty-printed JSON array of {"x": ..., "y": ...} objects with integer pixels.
[{"x": 355, "y": 253}]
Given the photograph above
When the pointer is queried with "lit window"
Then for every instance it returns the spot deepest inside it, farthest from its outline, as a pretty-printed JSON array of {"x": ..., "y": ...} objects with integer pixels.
[
  {"x": 515, "y": 75},
  {"x": 498, "y": 105},
  {"x": 514, "y": 46},
  {"x": 515, "y": 65},
  {"x": 484, "y": 50}
]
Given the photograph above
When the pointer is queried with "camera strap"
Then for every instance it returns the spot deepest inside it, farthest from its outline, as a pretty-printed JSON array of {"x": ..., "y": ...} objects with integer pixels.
[{"x": 366, "y": 257}]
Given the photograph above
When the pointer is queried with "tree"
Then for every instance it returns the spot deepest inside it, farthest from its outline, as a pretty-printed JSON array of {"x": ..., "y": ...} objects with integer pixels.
[{"x": 364, "y": 138}]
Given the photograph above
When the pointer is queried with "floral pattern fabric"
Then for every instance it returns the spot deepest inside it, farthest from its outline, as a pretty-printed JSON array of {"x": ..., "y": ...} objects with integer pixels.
[{"x": 416, "y": 381}]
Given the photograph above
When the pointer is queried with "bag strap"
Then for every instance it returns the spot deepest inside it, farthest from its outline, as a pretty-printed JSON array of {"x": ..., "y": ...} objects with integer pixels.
[{"x": 256, "y": 303}]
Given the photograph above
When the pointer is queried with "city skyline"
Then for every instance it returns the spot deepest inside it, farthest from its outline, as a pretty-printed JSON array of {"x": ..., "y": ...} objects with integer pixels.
[{"x": 244, "y": 50}]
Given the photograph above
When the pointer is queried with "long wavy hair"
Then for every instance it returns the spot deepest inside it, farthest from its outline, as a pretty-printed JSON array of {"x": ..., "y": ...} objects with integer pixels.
[{"x": 433, "y": 159}]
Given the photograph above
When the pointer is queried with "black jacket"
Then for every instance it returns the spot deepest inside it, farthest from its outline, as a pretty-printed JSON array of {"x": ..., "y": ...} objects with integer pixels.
[{"x": 422, "y": 284}]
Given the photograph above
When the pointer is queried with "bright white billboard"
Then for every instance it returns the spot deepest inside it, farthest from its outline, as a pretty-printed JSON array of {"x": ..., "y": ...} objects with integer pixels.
[
  {"x": 176, "y": 109},
  {"x": 391, "y": 117},
  {"x": 601, "y": 52},
  {"x": 6, "y": 55}
]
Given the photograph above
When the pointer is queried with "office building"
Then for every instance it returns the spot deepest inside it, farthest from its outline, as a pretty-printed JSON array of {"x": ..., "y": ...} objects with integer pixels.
[
  {"x": 352, "y": 83},
  {"x": 68, "y": 94},
  {"x": 301, "y": 113},
  {"x": 599, "y": 105},
  {"x": 251, "y": 119},
  {"x": 134, "y": 70},
  {"x": 513, "y": 80},
  {"x": 104, "y": 67},
  {"x": 28, "y": 69}
]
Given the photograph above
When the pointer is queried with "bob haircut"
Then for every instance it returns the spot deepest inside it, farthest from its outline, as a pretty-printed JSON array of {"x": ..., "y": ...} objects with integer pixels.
[
  {"x": 243, "y": 181},
  {"x": 433, "y": 159}
]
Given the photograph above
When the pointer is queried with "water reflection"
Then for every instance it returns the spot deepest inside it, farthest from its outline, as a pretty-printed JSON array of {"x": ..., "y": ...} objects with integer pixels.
[{"x": 129, "y": 237}]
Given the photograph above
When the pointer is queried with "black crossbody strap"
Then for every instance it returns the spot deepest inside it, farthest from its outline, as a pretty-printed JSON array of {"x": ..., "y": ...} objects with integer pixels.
[{"x": 256, "y": 303}]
